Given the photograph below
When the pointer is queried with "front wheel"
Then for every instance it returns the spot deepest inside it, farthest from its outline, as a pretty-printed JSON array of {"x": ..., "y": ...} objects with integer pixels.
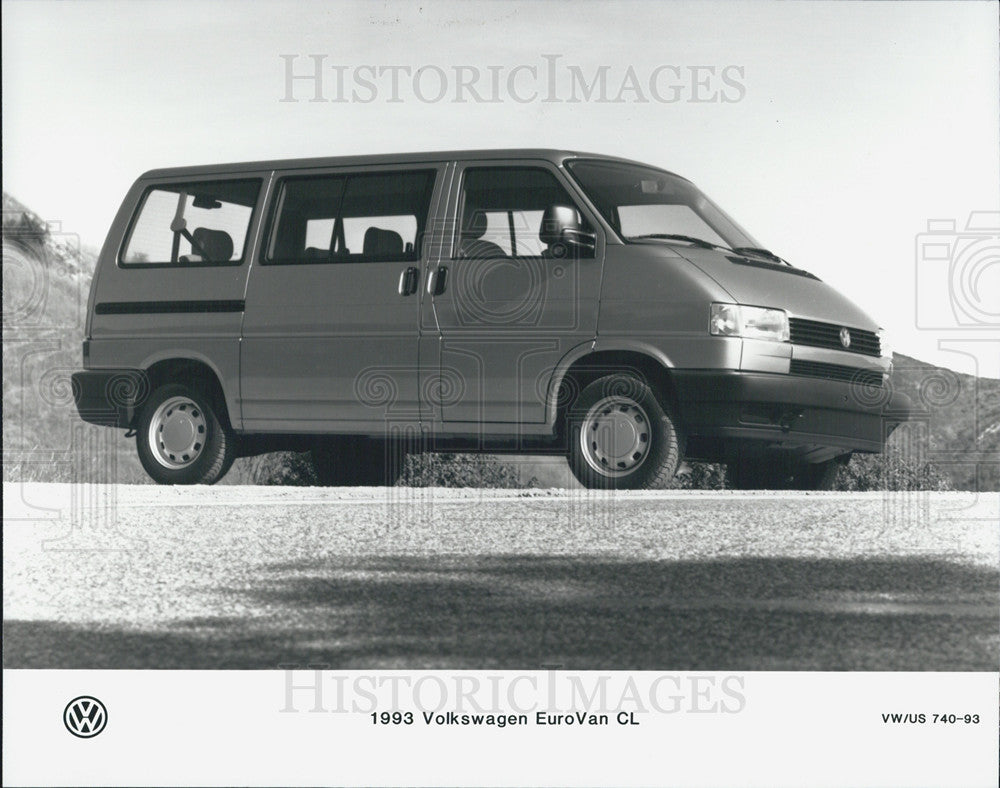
[
  {"x": 622, "y": 437},
  {"x": 181, "y": 439}
]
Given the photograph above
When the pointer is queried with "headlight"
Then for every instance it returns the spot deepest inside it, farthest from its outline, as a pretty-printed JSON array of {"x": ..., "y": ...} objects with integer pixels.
[
  {"x": 752, "y": 322},
  {"x": 884, "y": 343}
]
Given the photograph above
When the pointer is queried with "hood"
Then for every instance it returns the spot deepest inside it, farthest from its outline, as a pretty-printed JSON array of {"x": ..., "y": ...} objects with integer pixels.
[{"x": 759, "y": 283}]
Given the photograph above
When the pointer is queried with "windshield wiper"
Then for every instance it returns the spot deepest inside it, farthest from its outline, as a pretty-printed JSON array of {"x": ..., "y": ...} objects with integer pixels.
[
  {"x": 672, "y": 237},
  {"x": 756, "y": 250}
]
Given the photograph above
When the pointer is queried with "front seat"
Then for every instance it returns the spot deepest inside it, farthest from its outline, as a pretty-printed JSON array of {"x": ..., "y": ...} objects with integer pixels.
[
  {"x": 382, "y": 243},
  {"x": 472, "y": 245}
]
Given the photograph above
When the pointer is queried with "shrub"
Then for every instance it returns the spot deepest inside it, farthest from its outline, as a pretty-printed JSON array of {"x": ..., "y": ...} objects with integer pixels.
[
  {"x": 461, "y": 470},
  {"x": 25, "y": 229},
  {"x": 292, "y": 469},
  {"x": 419, "y": 470},
  {"x": 892, "y": 470},
  {"x": 700, "y": 476}
]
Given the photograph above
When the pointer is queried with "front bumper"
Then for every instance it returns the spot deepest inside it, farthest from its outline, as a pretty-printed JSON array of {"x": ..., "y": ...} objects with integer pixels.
[
  {"x": 787, "y": 410},
  {"x": 110, "y": 397}
]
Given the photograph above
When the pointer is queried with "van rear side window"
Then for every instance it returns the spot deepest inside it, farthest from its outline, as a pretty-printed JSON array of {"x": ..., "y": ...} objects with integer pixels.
[
  {"x": 351, "y": 218},
  {"x": 201, "y": 223}
]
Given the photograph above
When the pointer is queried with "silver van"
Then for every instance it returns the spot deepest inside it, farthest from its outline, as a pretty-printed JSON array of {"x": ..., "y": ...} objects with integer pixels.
[{"x": 520, "y": 301}]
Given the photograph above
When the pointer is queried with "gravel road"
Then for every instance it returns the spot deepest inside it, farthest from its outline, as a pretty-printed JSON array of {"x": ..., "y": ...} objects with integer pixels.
[{"x": 257, "y": 577}]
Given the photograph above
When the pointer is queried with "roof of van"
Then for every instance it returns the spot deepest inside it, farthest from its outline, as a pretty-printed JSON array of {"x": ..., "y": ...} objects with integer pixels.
[{"x": 548, "y": 154}]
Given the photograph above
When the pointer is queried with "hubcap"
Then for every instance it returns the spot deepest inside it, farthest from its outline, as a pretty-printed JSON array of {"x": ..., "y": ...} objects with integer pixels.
[
  {"x": 177, "y": 433},
  {"x": 615, "y": 437}
]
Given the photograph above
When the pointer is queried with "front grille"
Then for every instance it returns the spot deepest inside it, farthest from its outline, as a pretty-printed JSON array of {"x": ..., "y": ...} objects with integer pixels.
[
  {"x": 817, "y": 369},
  {"x": 817, "y": 334}
]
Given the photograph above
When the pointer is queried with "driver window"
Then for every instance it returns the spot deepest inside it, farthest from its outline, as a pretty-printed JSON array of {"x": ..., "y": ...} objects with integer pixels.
[{"x": 503, "y": 213}]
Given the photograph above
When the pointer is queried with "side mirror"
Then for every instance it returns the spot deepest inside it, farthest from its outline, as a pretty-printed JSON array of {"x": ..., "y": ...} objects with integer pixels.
[
  {"x": 563, "y": 232},
  {"x": 580, "y": 238}
]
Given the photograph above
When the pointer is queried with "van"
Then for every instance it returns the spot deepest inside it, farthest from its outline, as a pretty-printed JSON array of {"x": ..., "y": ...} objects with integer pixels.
[{"x": 518, "y": 301}]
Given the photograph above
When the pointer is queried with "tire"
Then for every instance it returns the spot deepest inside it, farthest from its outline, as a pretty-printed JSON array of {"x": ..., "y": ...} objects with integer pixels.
[
  {"x": 181, "y": 439},
  {"x": 356, "y": 462},
  {"x": 622, "y": 437}
]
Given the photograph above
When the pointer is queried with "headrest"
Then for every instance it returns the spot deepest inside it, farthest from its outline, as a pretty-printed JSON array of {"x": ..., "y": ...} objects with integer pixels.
[
  {"x": 214, "y": 245},
  {"x": 556, "y": 219},
  {"x": 475, "y": 224},
  {"x": 382, "y": 242}
]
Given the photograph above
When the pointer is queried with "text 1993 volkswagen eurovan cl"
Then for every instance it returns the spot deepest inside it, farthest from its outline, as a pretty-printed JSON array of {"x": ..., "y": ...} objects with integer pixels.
[{"x": 501, "y": 300}]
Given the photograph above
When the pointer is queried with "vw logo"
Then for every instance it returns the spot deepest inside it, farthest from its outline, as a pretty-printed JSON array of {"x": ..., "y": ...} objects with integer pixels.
[
  {"x": 85, "y": 717},
  {"x": 845, "y": 337}
]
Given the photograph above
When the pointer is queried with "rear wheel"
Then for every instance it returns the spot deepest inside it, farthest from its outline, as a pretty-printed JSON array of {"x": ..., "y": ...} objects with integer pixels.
[
  {"x": 181, "y": 439},
  {"x": 621, "y": 436},
  {"x": 356, "y": 462}
]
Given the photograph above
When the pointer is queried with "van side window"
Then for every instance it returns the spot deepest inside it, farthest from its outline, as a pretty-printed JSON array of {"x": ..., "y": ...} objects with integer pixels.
[
  {"x": 511, "y": 212},
  {"x": 352, "y": 218},
  {"x": 201, "y": 223}
]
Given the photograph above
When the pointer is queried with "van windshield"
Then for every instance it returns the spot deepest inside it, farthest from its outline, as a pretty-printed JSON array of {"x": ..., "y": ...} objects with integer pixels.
[{"x": 643, "y": 202}]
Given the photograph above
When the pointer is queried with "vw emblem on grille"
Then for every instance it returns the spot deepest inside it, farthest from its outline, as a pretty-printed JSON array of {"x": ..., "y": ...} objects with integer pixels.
[
  {"x": 85, "y": 716},
  {"x": 845, "y": 337}
]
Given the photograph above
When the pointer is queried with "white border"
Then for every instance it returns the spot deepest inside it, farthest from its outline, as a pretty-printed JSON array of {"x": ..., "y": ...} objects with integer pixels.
[{"x": 228, "y": 728}]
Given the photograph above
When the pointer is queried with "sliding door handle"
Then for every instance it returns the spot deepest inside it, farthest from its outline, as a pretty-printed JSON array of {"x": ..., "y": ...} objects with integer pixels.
[
  {"x": 409, "y": 281},
  {"x": 437, "y": 281}
]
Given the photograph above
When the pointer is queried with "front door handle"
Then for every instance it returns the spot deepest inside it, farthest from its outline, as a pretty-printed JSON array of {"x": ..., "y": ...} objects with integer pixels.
[
  {"x": 409, "y": 281},
  {"x": 437, "y": 281}
]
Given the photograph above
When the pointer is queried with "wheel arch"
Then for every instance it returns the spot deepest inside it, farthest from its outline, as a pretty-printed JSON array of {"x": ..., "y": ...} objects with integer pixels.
[
  {"x": 191, "y": 369},
  {"x": 587, "y": 363}
]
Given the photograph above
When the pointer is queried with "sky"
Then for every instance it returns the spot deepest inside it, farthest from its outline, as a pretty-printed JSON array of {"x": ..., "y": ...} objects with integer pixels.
[{"x": 833, "y": 132}]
